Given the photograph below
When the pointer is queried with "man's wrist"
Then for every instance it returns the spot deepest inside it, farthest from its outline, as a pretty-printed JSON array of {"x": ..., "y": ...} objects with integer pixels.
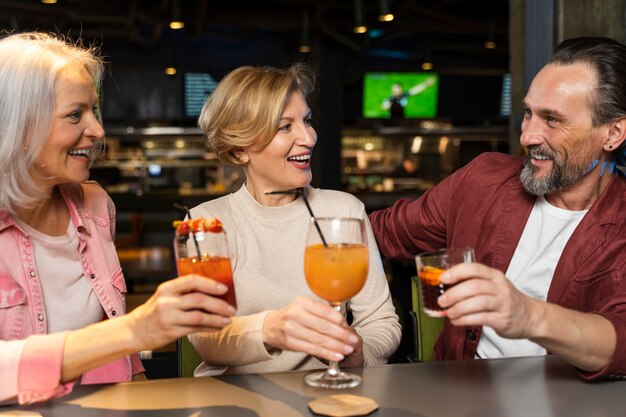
[{"x": 538, "y": 325}]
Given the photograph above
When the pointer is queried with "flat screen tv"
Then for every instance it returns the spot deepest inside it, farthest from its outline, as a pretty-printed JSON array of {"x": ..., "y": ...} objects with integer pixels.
[
  {"x": 141, "y": 95},
  {"x": 198, "y": 86},
  {"x": 396, "y": 95},
  {"x": 505, "y": 96}
]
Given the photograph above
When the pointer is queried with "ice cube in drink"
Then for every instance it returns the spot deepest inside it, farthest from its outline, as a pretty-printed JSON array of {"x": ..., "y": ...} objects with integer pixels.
[{"x": 432, "y": 288}]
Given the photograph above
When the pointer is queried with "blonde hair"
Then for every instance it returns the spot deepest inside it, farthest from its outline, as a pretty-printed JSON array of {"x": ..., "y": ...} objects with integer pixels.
[
  {"x": 29, "y": 64},
  {"x": 245, "y": 108}
]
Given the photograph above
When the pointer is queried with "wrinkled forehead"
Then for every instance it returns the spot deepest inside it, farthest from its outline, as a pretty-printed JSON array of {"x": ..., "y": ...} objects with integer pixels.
[{"x": 564, "y": 87}]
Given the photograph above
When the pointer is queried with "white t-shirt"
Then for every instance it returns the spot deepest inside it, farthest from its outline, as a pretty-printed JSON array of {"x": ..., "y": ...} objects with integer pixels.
[
  {"x": 531, "y": 269},
  {"x": 68, "y": 298}
]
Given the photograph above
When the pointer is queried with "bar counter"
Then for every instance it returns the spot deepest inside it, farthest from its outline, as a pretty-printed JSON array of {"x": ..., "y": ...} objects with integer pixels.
[
  {"x": 531, "y": 386},
  {"x": 155, "y": 211},
  {"x": 164, "y": 199}
]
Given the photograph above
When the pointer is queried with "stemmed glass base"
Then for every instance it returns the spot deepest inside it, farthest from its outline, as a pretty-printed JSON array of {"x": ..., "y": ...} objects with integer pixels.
[
  {"x": 336, "y": 262},
  {"x": 333, "y": 377},
  {"x": 329, "y": 380}
]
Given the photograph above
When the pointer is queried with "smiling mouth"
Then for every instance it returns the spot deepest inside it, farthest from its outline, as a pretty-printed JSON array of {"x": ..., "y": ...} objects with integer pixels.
[
  {"x": 300, "y": 159},
  {"x": 540, "y": 156},
  {"x": 80, "y": 153}
]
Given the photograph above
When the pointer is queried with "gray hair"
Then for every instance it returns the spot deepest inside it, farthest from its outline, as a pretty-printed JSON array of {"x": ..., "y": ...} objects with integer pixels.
[
  {"x": 29, "y": 64},
  {"x": 608, "y": 58}
]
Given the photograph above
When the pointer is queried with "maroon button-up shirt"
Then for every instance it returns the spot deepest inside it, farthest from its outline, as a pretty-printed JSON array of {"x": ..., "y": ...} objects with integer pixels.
[{"x": 484, "y": 205}]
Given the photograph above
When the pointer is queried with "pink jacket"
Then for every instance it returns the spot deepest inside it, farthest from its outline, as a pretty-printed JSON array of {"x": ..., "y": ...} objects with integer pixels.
[{"x": 30, "y": 359}]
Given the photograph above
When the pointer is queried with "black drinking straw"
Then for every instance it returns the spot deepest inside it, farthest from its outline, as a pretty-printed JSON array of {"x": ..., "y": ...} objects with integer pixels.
[
  {"x": 300, "y": 193},
  {"x": 193, "y": 235}
]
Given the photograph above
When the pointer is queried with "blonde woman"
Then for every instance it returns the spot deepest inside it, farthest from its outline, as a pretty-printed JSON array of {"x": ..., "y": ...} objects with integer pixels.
[
  {"x": 61, "y": 286},
  {"x": 258, "y": 117}
]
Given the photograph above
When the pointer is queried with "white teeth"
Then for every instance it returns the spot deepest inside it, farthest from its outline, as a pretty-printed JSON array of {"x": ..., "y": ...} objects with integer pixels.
[
  {"x": 539, "y": 156},
  {"x": 300, "y": 158},
  {"x": 86, "y": 153}
]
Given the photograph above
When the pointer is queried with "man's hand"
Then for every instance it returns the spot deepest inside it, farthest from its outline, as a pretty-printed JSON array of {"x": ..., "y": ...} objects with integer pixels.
[{"x": 484, "y": 296}]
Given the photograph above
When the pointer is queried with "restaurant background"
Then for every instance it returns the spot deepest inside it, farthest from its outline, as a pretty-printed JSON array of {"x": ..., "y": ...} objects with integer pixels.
[{"x": 482, "y": 54}]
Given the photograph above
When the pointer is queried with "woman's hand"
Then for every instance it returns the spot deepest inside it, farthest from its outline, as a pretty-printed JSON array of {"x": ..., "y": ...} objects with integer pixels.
[
  {"x": 312, "y": 327},
  {"x": 355, "y": 359},
  {"x": 178, "y": 307}
]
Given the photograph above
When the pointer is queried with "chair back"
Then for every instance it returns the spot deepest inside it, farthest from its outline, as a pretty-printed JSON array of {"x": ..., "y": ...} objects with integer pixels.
[
  {"x": 188, "y": 357},
  {"x": 426, "y": 328}
]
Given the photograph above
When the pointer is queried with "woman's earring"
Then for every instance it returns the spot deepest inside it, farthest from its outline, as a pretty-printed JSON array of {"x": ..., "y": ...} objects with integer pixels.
[{"x": 244, "y": 159}]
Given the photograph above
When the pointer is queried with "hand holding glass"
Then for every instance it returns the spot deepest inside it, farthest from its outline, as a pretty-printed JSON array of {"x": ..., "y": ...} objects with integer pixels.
[
  {"x": 335, "y": 271},
  {"x": 430, "y": 266}
]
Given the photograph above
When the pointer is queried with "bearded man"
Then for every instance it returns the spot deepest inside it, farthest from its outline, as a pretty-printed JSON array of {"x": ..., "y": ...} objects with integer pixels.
[{"x": 548, "y": 230}]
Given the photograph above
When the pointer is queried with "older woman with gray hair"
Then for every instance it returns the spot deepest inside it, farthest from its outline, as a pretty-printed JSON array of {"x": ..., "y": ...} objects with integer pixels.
[{"x": 61, "y": 285}]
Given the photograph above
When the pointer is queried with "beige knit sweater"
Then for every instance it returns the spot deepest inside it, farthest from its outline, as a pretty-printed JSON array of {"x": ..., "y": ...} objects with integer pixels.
[{"x": 267, "y": 250}]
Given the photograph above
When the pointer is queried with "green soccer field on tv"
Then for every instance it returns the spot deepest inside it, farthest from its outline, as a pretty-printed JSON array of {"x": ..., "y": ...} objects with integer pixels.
[{"x": 411, "y": 95}]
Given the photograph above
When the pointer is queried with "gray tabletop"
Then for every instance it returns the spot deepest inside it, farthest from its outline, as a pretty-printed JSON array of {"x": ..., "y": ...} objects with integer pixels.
[{"x": 540, "y": 386}]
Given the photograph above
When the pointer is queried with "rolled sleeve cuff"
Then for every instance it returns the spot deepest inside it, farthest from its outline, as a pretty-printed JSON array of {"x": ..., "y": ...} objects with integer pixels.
[
  {"x": 378, "y": 347},
  {"x": 238, "y": 344},
  {"x": 248, "y": 339},
  {"x": 136, "y": 364},
  {"x": 39, "y": 375}
]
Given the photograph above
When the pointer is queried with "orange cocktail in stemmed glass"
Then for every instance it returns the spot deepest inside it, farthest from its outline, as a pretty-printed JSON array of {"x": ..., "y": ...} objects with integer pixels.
[{"x": 336, "y": 262}]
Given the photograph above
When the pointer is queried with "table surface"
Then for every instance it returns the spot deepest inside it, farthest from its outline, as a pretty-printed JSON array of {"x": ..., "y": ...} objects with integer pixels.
[{"x": 533, "y": 386}]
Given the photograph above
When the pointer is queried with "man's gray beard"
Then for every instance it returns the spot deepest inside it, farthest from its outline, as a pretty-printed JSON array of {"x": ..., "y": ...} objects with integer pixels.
[{"x": 555, "y": 180}]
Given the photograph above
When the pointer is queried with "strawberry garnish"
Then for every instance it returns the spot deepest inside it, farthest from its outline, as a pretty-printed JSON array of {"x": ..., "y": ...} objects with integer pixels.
[
  {"x": 182, "y": 228},
  {"x": 197, "y": 225},
  {"x": 212, "y": 225}
]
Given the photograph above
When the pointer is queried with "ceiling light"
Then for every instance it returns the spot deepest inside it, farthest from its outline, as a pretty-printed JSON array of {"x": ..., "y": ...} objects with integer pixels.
[
  {"x": 305, "y": 44},
  {"x": 49, "y": 1},
  {"x": 427, "y": 63},
  {"x": 490, "y": 43},
  {"x": 177, "y": 21},
  {"x": 384, "y": 15},
  {"x": 359, "y": 27},
  {"x": 170, "y": 63}
]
